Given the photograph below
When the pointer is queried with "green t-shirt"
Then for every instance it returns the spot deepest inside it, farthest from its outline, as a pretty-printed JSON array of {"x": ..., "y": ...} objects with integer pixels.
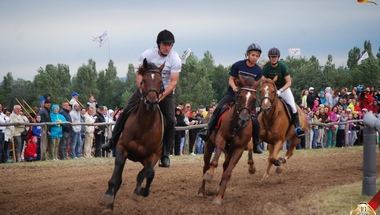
[{"x": 281, "y": 71}]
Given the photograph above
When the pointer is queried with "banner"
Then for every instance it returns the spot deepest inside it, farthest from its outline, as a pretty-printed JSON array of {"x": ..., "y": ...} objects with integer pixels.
[
  {"x": 294, "y": 52},
  {"x": 187, "y": 54},
  {"x": 364, "y": 56},
  {"x": 101, "y": 39}
]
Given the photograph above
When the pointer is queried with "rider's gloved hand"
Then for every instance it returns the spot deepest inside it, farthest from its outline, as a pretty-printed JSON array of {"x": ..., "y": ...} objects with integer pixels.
[{"x": 279, "y": 92}]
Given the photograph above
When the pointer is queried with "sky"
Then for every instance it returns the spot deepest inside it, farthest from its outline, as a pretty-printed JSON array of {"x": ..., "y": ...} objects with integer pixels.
[{"x": 40, "y": 32}]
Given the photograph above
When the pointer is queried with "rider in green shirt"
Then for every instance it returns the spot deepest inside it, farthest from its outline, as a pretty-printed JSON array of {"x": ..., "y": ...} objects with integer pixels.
[{"x": 283, "y": 83}]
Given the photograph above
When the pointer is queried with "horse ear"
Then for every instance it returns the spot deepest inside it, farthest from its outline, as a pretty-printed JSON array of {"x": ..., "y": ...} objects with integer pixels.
[
  {"x": 275, "y": 79},
  {"x": 162, "y": 66},
  {"x": 145, "y": 64}
]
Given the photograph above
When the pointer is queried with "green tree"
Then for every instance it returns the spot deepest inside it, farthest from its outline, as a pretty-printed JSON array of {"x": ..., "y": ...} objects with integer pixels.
[
  {"x": 219, "y": 77},
  {"x": 353, "y": 57},
  {"x": 54, "y": 80},
  {"x": 130, "y": 83},
  {"x": 367, "y": 48},
  {"x": 84, "y": 82},
  {"x": 6, "y": 89}
]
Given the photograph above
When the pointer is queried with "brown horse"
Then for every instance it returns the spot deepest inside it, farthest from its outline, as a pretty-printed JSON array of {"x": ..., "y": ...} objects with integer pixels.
[
  {"x": 141, "y": 138},
  {"x": 276, "y": 127},
  {"x": 235, "y": 131}
]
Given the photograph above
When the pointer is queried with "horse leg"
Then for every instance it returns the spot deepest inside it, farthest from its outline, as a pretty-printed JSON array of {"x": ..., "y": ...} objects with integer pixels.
[
  {"x": 140, "y": 178},
  {"x": 294, "y": 142},
  {"x": 208, "y": 149},
  {"x": 149, "y": 174},
  {"x": 252, "y": 167},
  {"x": 266, "y": 173},
  {"x": 214, "y": 163},
  {"x": 230, "y": 163},
  {"x": 116, "y": 179}
]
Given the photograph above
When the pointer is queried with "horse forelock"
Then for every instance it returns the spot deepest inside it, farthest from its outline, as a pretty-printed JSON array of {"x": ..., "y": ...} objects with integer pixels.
[
  {"x": 244, "y": 81},
  {"x": 151, "y": 66}
]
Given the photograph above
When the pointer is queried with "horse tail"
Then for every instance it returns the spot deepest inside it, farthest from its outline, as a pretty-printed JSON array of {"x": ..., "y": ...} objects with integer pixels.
[{"x": 265, "y": 63}]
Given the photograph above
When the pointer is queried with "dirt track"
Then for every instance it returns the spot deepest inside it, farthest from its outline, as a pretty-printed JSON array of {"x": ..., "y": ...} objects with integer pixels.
[{"x": 76, "y": 186}]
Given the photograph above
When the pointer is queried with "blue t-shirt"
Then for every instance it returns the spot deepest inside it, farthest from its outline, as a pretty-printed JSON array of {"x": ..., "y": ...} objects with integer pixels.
[{"x": 241, "y": 68}]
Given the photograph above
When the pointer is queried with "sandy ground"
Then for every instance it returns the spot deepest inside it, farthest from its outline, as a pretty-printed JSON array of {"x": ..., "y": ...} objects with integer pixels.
[{"x": 76, "y": 186}]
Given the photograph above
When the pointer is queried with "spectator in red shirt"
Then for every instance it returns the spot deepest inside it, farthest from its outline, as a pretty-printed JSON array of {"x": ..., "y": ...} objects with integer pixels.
[
  {"x": 365, "y": 99},
  {"x": 30, "y": 153}
]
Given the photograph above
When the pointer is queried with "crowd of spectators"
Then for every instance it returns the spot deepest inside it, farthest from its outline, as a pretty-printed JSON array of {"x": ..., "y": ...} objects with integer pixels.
[
  {"x": 80, "y": 141},
  {"x": 337, "y": 105},
  {"x": 64, "y": 141}
]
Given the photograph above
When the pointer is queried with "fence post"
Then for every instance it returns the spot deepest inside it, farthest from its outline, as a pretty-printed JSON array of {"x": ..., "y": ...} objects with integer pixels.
[
  {"x": 346, "y": 135},
  {"x": 43, "y": 141},
  {"x": 369, "y": 162}
]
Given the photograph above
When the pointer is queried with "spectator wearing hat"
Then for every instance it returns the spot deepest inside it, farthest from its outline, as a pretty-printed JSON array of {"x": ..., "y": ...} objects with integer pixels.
[
  {"x": 74, "y": 98},
  {"x": 45, "y": 97},
  {"x": 56, "y": 133},
  {"x": 310, "y": 99},
  {"x": 213, "y": 103},
  {"x": 187, "y": 108},
  {"x": 99, "y": 131}
]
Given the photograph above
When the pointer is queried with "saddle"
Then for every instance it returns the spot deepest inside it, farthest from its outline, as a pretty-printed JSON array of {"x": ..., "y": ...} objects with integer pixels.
[{"x": 288, "y": 111}]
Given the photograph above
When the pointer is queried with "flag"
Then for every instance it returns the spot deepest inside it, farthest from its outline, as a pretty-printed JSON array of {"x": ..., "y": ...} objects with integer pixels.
[
  {"x": 366, "y": 1},
  {"x": 364, "y": 56},
  {"x": 294, "y": 52},
  {"x": 101, "y": 39},
  {"x": 187, "y": 54}
]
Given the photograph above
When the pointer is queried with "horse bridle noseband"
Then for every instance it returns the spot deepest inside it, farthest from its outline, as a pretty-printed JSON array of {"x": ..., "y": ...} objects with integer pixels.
[
  {"x": 143, "y": 97},
  {"x": 271, "y": 101},
  {"x": 237, "y": 105},
  {"x": 234, "y": 128}
]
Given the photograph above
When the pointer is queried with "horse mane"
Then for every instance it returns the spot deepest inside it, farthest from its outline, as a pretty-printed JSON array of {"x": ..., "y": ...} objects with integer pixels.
[{"x": 243, "y": 81}]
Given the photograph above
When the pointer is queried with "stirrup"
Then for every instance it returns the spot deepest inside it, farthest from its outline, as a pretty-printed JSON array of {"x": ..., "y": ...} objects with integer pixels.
[{"x": 301, "y": 132}]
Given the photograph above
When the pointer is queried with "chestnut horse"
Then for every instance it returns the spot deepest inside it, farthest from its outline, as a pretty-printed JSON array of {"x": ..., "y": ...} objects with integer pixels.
[
  {"x": 276, "y": 127},
  {"x": 235, "y": 131},
  {"x": 141, "y": 137}
]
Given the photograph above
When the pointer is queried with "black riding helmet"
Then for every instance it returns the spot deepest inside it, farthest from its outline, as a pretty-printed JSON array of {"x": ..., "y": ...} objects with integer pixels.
[
  {"x": 274, "y": 52},
  {"x": 253, "y": 47},
  {"x": 165, "y": 36}
]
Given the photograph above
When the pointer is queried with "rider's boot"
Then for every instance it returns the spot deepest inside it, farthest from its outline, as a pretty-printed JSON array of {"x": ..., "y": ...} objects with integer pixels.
[
  {"x": 256, "y": 134},
  {"x": 296, "y": 121},
  {"x": 167, "y": 146},
  {"x": 118, "y": 129}
]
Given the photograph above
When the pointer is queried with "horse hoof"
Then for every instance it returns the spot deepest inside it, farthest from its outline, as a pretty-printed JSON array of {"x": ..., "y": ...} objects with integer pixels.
[
  {"x": 277, "y": 163},
  {"x": 216, "y": 202},
  {"x": 107, "y": 211},
  {"x": 207, "y": 177},
  {"x": 135, "y": 197},
  {"x": 252, "y": 171},
  {"x": 107, "y": 199},
  {"x": 202, "y": 192},
  {"x": 278, "y": 170}
]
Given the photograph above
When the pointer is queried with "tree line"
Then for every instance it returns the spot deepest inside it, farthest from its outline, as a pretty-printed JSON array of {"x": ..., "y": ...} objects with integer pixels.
[{"x": 199, "y": 82}]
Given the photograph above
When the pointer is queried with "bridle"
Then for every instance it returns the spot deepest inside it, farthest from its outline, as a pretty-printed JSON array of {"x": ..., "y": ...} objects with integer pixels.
[
  {"x": 271, "y": 121},
  {"x": 234, "y": 128},
  {"x": 237, "y": 104},
  {"x": 271, "y": 101},
  {"x": 143, "y": 97}
]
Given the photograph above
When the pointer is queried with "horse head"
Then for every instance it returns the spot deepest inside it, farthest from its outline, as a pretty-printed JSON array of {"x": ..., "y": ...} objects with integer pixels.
[
  {"x": 151, "y": 85},
  {"x": 245, "y": 98},
  {"x": 268, "y": 94}
]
